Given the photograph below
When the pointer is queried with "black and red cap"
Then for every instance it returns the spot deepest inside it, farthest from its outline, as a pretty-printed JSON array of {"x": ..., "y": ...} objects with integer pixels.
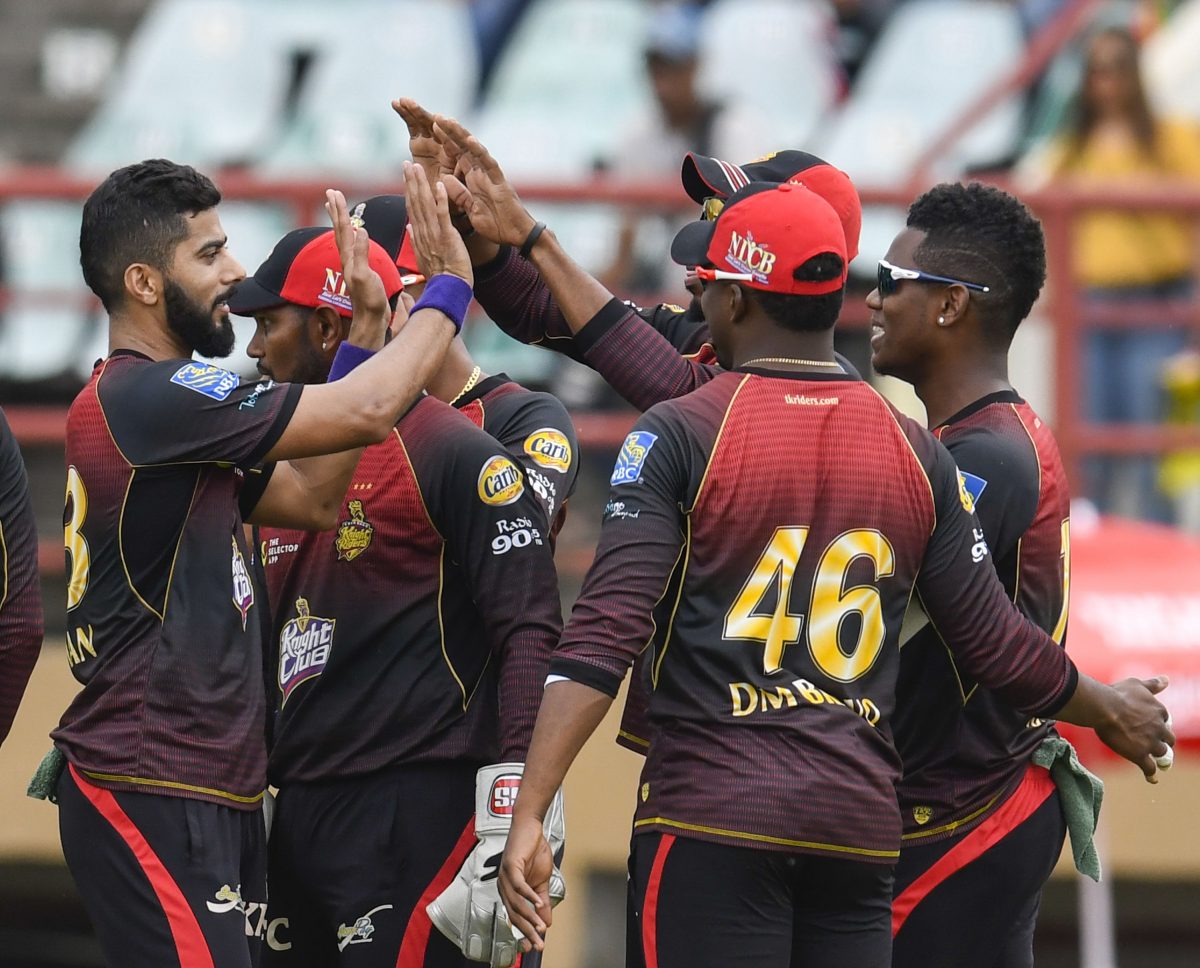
[
  {"x": 763, "y": 235},
  {"x": 385, "y": 217},
  {"x": 705, "y": 177},
  {"x": 305, "y": 269}
]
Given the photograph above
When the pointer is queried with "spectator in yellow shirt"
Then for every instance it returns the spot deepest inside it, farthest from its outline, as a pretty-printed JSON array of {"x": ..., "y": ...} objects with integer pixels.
[{"x": 1127, "y": 256}]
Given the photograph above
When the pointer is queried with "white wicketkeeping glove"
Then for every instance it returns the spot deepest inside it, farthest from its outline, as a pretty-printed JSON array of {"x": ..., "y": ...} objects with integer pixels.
[{"x": 469, "y": 912}]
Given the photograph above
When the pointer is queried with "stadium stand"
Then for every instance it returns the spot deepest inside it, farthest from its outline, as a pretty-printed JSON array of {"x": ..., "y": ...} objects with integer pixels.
[
  {"x": 382, "y": 48},
  {"x": 784, "y": 67},
  {"x": 932, "y": 60}
]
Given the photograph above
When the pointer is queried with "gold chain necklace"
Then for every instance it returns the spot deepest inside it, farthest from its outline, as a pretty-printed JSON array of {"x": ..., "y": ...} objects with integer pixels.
[
  {"x": 786, "y": 359},
  {"x": 468, "y": 386}
]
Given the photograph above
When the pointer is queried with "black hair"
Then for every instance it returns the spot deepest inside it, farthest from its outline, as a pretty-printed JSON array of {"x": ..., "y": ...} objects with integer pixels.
[
  {"x": 137, "y": 214},
  {"x": 981, "y": 234},
  {"x": 806, "y": 313}
]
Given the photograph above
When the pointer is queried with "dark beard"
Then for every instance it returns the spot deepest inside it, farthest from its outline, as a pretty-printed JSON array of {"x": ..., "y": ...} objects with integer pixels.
[{"x": 194, "y": 324}]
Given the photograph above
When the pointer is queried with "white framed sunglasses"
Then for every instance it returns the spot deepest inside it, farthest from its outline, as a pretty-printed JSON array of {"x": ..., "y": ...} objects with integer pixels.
[{"x": 889, "y": 278}]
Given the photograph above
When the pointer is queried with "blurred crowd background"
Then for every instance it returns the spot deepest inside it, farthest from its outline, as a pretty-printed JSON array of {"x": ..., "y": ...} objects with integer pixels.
[{"x": 1088, "y": 109}]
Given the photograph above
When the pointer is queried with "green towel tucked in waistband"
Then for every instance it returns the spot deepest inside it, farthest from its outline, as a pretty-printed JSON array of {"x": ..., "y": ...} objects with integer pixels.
[
  {"x": 1081, "y": 793},
  {"x": 44, "y": 784}
]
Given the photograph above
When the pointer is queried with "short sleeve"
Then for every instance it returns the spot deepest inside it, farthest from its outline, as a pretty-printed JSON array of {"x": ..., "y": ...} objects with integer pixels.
[{"x": 180, "y": 411}]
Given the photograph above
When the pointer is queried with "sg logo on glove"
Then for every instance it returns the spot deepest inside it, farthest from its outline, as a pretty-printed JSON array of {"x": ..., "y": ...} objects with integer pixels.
[{"x": 504, "y": 795}]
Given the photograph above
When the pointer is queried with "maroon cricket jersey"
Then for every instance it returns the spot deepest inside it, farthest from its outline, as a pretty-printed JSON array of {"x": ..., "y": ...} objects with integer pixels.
[
  {"x": 762, "y": 540},
  {"x": 538, "y": 433},
  {"x": 965, "y": 749},
  {"x": 420, "y": 628},
  {"x": 20, "y": 589},
  {"x": 161, "y": 627}
]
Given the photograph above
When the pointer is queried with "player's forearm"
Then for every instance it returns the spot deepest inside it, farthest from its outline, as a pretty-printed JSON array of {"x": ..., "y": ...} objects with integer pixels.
[
  {"x": 579, "y": 296},
  {"x": 636, "y": 360},
  {"x": 569, "y": 714},
  {"x": 517, "y": 299},
  {"x": 1092, "y": 704},
  {"x": 323, "y": 482}
]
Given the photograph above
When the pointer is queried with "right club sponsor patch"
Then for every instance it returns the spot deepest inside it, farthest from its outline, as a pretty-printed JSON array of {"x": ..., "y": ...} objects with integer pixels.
[
  {"x": 503, "y": 797},
  {"x": 632, "y": 457}
]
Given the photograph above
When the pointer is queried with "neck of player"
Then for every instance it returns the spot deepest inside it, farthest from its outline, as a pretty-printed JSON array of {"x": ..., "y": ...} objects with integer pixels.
[
  {"x": 803, "y": 351},
  {"x": 146, "y": 335},
  {"x": 454, "y": 375},
  {"x": 957, "y": 380}
]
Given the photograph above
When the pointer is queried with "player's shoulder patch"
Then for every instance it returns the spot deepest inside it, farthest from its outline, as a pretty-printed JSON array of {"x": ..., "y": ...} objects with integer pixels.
[
  {"x": 632, "y": 457},
  {"x": 971, "y": 489},
  {"x": 212, "y": 381},
  {"x": 549, "y": 448},
  {"x": 672, "y": 308},
  {"x": 500, "y": 481}
]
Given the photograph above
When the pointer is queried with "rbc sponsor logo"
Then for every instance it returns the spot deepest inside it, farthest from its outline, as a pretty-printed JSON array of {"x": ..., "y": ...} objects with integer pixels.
[
  {"x": 205, "y": 378},
  {"x": 304, "y": 646},
  {"x": 500, "y": 482},
  {"x": 632, "y": 457},
  {"x": 504, "y": 795},
  {"x": 549, "y": 448}
]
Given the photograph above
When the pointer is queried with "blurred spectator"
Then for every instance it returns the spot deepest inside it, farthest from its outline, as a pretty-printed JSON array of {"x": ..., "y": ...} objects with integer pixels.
[
  {"x": 858, "y": 24},
  {"x": 1126, "y": 257},
  {"x": 652, "y": 148},
  {"x": 494, "y": 22}
]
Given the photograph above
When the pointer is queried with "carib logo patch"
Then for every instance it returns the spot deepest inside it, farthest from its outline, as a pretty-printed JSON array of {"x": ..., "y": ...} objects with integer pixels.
[
  {"x": 549, "y": 448},
  {"x": 500, "y": 482}
]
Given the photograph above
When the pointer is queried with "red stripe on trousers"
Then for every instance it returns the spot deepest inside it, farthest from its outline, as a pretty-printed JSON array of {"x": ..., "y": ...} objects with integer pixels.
[
  {"x": 1034, "y": 789},
  {"x": 650, "y": 904},
  {"x": 190, "y": 943},
  {"x": 416, "y": 933}
]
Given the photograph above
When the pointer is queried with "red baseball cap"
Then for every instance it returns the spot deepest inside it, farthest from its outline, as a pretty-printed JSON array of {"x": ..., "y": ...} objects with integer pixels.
[
  {"x": 765, "y": 233},
  {"x": 705, "y": 177},
  {"x": 305, "y": 269},
  {"x": 385, "y": 217}
]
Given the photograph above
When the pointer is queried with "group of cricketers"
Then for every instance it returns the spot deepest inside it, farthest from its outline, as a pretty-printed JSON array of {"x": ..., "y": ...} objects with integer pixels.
[{"x": 337, "y": 581}]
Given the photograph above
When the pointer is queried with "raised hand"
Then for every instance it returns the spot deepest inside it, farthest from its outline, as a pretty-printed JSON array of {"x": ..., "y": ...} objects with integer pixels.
[
  {"x": 427, "y": 151},
  {"x": 438, "y": 246},
  {"x": 366, "y": 290},
  {"x": 480, "y": 189}
]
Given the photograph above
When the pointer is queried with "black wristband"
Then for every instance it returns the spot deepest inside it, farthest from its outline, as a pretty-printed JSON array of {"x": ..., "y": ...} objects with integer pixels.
[{"x": 535, "y": 233}]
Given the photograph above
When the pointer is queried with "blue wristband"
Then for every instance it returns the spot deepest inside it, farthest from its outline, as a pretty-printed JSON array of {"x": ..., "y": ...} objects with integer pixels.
[
  {"x": 348, "y": 356},
  {"x": 447, "y": 294}
]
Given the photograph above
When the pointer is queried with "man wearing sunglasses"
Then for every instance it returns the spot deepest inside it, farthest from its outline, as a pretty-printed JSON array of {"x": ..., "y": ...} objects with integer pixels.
[
  {"x": 790, "y": 512},
  {"x": 983, "y": 825}
]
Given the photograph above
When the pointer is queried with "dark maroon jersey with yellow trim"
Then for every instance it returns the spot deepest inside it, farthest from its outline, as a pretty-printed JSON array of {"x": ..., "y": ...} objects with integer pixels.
[
  {"x": 538, "y": 433},
  {"x": 20, "y": 589},
  {"x": 763, "y": 538},
  {"x": 161, "y": 627},
  {"x": 964, "y": 748},
  {"x": 420, "y": 629}
]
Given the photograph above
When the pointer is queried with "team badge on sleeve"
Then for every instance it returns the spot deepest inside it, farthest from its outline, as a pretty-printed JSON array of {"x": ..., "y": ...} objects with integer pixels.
[
  {"x": 970, "y": 488},
  {"x": 632, "y": 457},
  {"x": 549, "y": 448},
  {"x": 205, "y": 378},
  {"x": 500, "y": 482}
]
